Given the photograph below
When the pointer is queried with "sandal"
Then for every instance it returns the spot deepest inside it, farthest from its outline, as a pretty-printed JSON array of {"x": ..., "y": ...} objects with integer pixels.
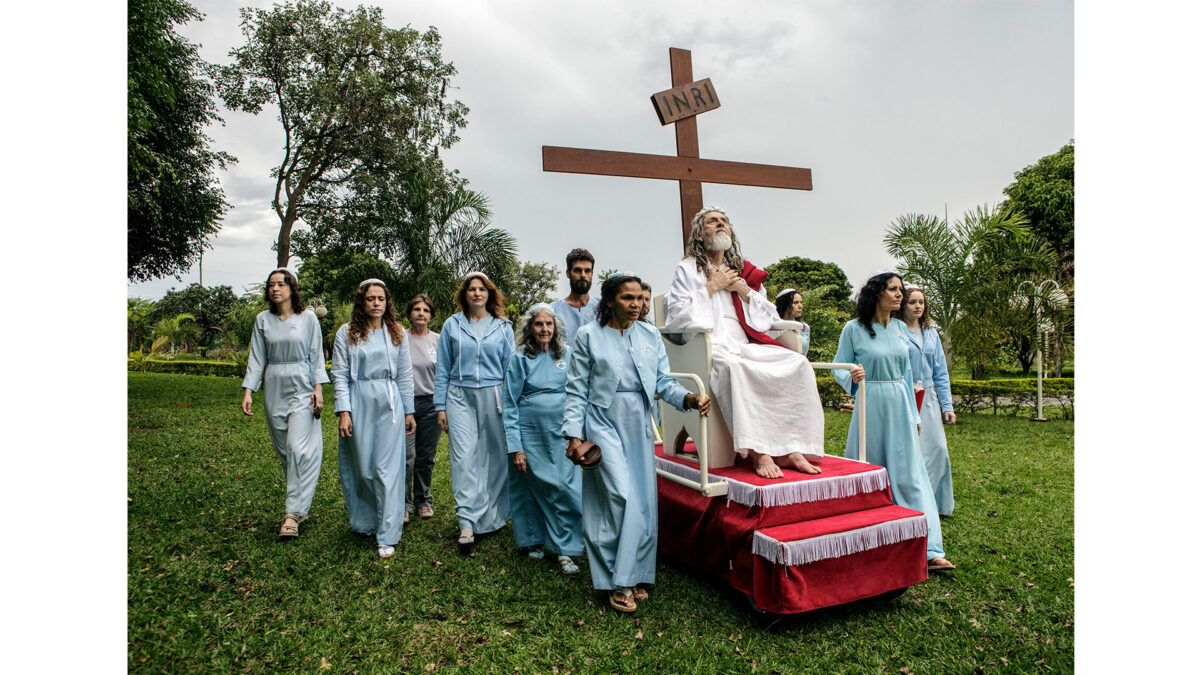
[
  {"x": 386, "y": 551},
  {"x": 640, "y": 593},
  {"x": 292, "y": 529},
  {"x": 536, "y": 553},
  {"x": 568, "y": 566},
  {"x": 626, "y": 605},
  {"x": 466, "y": 541},
  {"x": 939, "y": 564}
]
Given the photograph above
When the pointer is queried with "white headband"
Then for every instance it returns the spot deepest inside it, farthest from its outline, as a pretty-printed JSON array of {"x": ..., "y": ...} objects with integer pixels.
[
  {"x": 372, "y": 281},
  {"x": 475, "y": 274},
  {"x": 289, "y": 270},
  {"x": 913, "y": 287},
  {"x": 540, "y": 307},
  {"x": 784, "y": 292}
]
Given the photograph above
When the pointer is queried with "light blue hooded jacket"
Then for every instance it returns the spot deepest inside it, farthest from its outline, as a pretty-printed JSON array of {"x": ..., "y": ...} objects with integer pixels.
[{"x": 466, "y": 361}]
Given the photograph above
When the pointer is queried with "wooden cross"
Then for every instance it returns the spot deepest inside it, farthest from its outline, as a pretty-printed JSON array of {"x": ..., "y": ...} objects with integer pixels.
[{"x": 686, "y": 167}]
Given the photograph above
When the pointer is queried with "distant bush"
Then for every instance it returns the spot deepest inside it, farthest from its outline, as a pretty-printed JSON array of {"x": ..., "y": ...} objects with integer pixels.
[
  {"x": 236, "y": 368},
  {"x": 1001, "y": 396},
  {"x": 1009, "y": 396}
]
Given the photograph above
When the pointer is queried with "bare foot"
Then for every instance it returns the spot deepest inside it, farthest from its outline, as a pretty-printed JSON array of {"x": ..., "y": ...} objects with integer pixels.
[
  {"x": 765, "y": 467},
  {"x": 797, "y": 461}
]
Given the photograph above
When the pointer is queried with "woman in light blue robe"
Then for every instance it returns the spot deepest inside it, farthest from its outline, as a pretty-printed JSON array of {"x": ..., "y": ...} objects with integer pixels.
[
  {"x": 373, "y": 393},
  {"x": 929, "y": 370},
  {"x": 473, "y": 352},
  {"x": 617, "y": 365},
  {"x": 286, "y": 357},
  {"x": 877, "y": 343},
  {"x": 544, "y": 488}
]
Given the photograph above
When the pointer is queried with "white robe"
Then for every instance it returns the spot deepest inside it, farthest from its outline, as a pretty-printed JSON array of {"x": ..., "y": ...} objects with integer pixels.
[{"x": 767, "y": 394}]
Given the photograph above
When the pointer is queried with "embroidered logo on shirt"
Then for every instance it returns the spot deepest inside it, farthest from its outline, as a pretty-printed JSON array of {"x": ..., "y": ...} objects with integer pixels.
[
  {"x": 645, "y": 349},
  {"x": 292, "y": 326},
  {"x": 560, "y": 364},
  {"x": 433, "y": 354}
]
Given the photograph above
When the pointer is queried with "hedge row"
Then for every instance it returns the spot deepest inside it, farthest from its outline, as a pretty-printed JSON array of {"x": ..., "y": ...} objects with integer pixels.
[
  {"x": 1002, "y": 396},
  {"x": 211, "y": 368}
]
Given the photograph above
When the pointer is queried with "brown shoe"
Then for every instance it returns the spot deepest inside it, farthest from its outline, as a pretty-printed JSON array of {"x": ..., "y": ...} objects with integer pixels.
[
  {"x": 291, "y": 525},
  {"x": 425, "y": 512}
]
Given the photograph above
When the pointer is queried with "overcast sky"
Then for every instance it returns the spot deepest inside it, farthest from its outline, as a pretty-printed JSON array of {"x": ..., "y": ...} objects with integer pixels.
[{"x": 897, "y": 107}]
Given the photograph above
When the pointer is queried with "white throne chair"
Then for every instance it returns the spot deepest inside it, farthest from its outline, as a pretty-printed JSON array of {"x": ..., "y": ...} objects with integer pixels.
[{"x": 695, "y": 357}]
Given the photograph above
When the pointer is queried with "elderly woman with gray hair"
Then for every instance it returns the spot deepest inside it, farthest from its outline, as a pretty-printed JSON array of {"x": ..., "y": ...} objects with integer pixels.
[{"x": 545, "y": 490}]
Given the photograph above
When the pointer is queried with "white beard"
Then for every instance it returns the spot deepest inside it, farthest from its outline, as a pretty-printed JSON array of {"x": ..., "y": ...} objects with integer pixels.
[{"x": 718, "y": 242}]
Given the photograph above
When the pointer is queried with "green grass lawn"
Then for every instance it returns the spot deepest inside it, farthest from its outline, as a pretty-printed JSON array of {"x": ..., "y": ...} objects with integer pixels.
[{"x": 211, "y": 588}]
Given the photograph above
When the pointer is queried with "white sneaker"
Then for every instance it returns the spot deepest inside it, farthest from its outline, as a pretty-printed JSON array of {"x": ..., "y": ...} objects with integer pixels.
[{"x": 386, "y": 551}]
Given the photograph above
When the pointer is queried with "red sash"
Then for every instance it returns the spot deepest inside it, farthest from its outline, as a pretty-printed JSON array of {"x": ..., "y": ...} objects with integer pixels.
[{"x": 754, "y": 278}]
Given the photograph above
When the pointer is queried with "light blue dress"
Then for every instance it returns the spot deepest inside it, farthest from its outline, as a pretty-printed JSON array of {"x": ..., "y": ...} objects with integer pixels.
[
  {"x": 372, "y": 380},
  {"x": 546, "y": 501},
  {"x": 891, "y": 417},
  {"x": 472, "y": 357},
  {"x": 286, "y": 356},
  {"x": 573, "y": 319},
  {"x": 929, "y": 365},
  {"x": 611, "y": 382}
]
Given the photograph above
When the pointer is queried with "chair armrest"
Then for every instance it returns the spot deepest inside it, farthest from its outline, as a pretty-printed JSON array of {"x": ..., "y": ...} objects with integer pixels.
[{"x": 784, "y": 324}]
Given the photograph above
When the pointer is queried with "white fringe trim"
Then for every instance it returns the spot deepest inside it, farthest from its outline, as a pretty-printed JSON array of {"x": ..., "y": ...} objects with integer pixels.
[
  {"x": 684, "y": 471},
  {"x": 839, "y": 544},
  {"x": 783, "y": 494}
]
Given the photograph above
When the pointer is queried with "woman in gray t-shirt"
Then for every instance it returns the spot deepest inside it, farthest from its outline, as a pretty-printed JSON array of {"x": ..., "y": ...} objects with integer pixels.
[{"x": 421, "y": 447}]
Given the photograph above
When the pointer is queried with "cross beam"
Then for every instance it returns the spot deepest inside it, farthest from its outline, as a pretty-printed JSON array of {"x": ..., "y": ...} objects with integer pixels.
[{"x": 686, "y": 167}]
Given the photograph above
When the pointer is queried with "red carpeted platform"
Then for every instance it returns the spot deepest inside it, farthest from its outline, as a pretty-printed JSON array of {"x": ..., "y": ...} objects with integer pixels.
[{"x": 798, "y": 543}]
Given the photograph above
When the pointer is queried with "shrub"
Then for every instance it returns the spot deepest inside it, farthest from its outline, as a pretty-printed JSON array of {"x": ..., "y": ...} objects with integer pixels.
[
  {"x": 236, "y": 368},
  {"x": 1009, "y": 396},
  {"x": 1001, "y": 396}
]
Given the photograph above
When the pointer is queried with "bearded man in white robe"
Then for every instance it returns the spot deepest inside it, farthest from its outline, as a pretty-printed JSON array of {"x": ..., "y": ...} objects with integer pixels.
[{"x": 767, "y": 392}]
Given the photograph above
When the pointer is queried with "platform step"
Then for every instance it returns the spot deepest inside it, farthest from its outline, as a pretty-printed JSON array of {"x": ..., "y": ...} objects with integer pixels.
[
  {"x": 840, "y": 478},
  {"x": 837, "y": 536}
]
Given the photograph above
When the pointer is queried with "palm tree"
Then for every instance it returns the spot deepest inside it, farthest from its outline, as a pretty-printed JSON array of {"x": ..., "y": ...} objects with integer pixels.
[
  {"x": 969, "y": 273},
  {"x": 180, "y": 331},
  {"x": 138, "y": 326},
  {"x": 426, "y": 223}
]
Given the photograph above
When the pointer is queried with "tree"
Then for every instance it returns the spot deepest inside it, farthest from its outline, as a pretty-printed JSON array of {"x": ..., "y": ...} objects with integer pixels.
[
  {"x": 805, "y": 274},
  {"x": 139, "y": 323},
  {"x": 174, "y": 199},
  {"x": 527, "y": 284},
  {"x": 968, "y": 272},
  {"x": 1045, "y": 193},
  {"x": 353, "y": 97},
  {"x": 335, "y": 273},
  {"x": 238, "y": 323},
  {"x": 181, "y": 331},
  {"x": 207, "y": 307},
  {"x": 426, "y": 223}
]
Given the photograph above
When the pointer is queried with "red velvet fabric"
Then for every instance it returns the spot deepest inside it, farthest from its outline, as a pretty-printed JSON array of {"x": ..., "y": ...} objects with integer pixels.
[
  {"x": 834, "y": 581},
  {"x": 808, "y": 529},
  {"x": 920, "y": 399},
  {"x": 744, "y": 471},
  {"x": 715, "y": 535},
  {"x": 754, "y": 278}
]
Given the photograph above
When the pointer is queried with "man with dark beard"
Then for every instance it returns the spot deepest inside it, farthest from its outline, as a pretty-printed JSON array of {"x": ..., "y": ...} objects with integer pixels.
[
  {"x": 577, "y": 308},
  {"x": 766, "y": 391}
]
